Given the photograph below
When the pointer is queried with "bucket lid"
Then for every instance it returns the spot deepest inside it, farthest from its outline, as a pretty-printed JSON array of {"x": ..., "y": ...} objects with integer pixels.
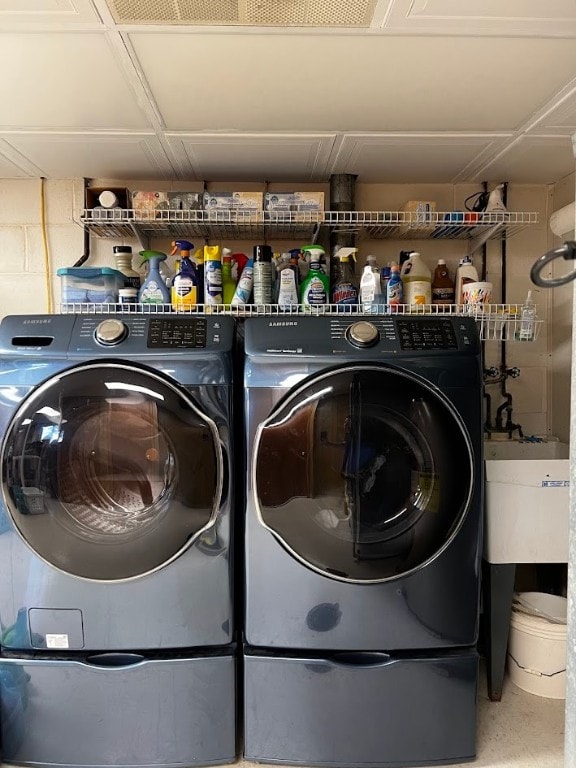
[{"x": 552, "y": 608}]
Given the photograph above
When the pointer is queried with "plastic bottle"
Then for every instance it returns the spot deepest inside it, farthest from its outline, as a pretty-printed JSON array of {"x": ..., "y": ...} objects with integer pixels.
[
  {"x": 123, "y": 258},
  {"x": 394, "y": 289},
  {"x": 198, "y": 261},
  {"x": 345, "y": 290},
  {"x": 228, "y": 284},
  {"x": 262, "y": 257},
  {"x": 184, "y": 292},
  {"x": 495, "y": 202},
  {"x": 384, "y": 277},
  {"x": 417, "y": 280},
  {"x": 527, "y": 327},
  {"x": 315, "y": 288},
  {"x": 287, "y": 283},
  {"x": 442, "y": 285},
  {"x": 154, "y": 289},
  {"x": 244, "y": 287},
  {"x": 370, "y": 288},
  {"x": 212, "y": 276},
  {"x": 466, "y": 273}
]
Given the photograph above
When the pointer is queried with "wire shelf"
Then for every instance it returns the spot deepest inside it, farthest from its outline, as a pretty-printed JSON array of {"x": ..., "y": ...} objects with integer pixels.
[
  {"x": 496, "y": 322},
  {"x": 276, "y": 225}
]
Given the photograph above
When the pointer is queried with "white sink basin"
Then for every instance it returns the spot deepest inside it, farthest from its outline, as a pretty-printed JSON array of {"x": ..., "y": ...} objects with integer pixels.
[{"x": 527, "y": 502}]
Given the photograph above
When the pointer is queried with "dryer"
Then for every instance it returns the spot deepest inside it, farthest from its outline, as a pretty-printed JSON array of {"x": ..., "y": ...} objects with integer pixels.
[
  {"x": 116, "y": 583},
  {"x": 363, "y": 539}
]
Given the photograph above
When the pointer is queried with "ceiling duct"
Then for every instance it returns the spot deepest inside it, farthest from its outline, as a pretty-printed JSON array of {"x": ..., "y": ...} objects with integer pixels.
[{"x": 283, "y": 13}]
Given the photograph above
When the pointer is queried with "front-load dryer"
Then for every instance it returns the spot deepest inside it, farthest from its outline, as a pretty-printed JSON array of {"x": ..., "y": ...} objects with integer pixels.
[
  {"x": 363, "y": 539},
  {"x": 116, "y": 588}
]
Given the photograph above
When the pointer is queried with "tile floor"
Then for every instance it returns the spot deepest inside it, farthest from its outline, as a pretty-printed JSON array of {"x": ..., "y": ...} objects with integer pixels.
[{"x": 521, "y": 731}]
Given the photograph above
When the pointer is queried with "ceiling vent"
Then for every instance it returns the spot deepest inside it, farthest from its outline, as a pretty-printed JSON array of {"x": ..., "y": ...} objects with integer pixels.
[{"x": 283, "y": 13}]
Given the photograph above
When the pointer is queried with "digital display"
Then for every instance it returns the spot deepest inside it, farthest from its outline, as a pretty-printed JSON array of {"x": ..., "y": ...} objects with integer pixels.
[
  {"x": 179, "y": 333},
  {"x": 426, "y": 334}
]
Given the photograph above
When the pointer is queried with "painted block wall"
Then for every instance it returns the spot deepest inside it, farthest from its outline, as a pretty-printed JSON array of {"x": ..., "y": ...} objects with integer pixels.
[{"x": 23, "y": 284}]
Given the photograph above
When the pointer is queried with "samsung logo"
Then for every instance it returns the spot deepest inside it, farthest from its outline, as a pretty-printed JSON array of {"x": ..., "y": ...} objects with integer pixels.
[
  {"x": 275, "y": 323},
  {"x": 37, "y": 322}
]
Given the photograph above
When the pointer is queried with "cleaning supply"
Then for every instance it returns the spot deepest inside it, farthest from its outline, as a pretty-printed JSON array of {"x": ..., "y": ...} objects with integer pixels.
[
  {"x": 123, "y": 258},
  {"x": 345, "y": 290},
  {"x": 315, "y": 288},
  {"x": 442, "y": 285},
  {"x": 527, "y": 327},
  {"x": 228, "y": 283},
  {"x": 239, "y": 261},
  {"x": 154, "y": 289},
  {"x": 244, "y": 287},
  {"x": 287, "y": 283},
  {"x": 466, "y": 273},
  {"x": 262, "y": 256},
  {"x": 212, "y": 276},
  {"x": 185, "y": 283},
  {"x": 198, "y": 261},
  {"x": 384, "y": 277},
  {"x": 370, "y": 288},
  {"x": 394, "y": 289},
  {"x": 307, "y": 251},
  {"x": 416, "y": 280}
]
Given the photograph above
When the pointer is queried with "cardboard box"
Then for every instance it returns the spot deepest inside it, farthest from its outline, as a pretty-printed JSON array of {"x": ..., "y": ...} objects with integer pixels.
[
  {"x": 244, "y": 201},
  {"x": 294, "y": 201},
  {"x": 148, "y": 202},
  {"x": 93, "y": 193},
  {"x": 185, "y": 201},
  {"x": 421, "y": 216}
]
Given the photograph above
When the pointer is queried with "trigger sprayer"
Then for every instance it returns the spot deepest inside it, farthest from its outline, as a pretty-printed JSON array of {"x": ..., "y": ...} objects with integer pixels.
[{"x": 153, "y": 290}]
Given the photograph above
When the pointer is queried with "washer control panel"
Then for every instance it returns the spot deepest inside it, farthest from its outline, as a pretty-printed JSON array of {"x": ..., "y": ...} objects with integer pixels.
[
  {"x": 176, "y": 333},
  {"x": 430, "y": 333},
  {"x": 110, "y": 332}
]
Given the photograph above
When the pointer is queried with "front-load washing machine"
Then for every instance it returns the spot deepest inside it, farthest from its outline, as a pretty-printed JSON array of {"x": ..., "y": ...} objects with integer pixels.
[
  {"x": 363, "y": 539},
  {"x": 116, "y": 583}
]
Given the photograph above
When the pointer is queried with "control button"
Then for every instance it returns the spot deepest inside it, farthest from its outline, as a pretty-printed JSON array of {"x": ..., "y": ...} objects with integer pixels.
[
  {"x": 362, "y": 334},
  {"x": 110, "y": 332}
]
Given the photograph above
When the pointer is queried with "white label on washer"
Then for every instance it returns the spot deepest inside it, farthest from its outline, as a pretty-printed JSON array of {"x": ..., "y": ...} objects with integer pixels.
[{"x": 57, "y": 641}]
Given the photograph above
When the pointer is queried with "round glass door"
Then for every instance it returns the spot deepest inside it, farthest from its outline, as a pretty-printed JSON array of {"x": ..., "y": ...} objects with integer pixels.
[
  {"x": 110, "y": 471},
  {"x": 363, "y": 474}
]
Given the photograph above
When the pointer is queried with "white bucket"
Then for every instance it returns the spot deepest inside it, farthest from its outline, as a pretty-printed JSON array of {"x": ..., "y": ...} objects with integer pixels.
[{"x": 537, "y": 646}]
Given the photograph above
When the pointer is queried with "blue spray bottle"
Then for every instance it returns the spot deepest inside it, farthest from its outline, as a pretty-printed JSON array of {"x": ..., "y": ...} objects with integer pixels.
[{"x": 153, "y": 290}]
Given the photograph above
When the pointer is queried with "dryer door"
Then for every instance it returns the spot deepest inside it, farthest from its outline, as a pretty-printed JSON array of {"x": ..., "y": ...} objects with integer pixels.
[
  {"x": 110, "y": 471},
  {"x": 363, "y": 473}
]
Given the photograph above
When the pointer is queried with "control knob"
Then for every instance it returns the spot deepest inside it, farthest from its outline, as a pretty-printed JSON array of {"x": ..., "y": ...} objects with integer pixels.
[
  {"x": 110, "y": 332},
  {"x": 363, "y": 334}
]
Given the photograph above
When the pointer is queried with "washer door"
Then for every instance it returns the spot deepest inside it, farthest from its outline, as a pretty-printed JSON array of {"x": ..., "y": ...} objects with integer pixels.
[
  {"x": 364, "y": 473},
  {"x": 110, "y": 471}
]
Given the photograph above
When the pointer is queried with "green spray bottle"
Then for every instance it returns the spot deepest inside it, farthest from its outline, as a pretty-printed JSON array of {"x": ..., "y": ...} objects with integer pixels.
[
  {"x": 153, "y": 290},
  {"x": 315, "y": 288}
]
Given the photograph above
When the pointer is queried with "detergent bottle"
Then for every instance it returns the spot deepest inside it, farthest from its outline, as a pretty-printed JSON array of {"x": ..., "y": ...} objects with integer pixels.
[
  {"x": 287, "y": 283},
  {"x": 370, "y": 288},
  {"x": 185, "y": 282},
  {"x": 154, "y": 289},
  {"x": 212, "y": 275},
  {"x": 394, "y": 288},
  {"x": 466, "y": 273},
  {"x": 345, "y": 290},
  {"x": 416, "y": 280},
  {"x": 228, "y": 282},
  {"x": 315, "y": 288}
]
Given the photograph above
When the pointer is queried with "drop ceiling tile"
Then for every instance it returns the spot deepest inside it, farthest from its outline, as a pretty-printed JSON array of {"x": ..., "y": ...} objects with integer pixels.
[
  {"x": 8, "y": 170},
  {"x": 532, "y": 160},
  {"x": 488, "y": 17},
  {"x": 408, "y": 159},
  {"x": 351, "y": 83},
  {"x": 63, "y": 80},
  {"x": 135, "y": 156},
  {"x": 255, "y": 157},
  {"x": 561, "y": 120},
  {"x": 59, "y": 13}
]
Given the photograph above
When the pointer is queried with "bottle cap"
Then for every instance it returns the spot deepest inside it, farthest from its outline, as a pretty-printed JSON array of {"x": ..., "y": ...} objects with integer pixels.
[
  {"x": 262, "y": 253},
  {"x": 122, "y": 249},
  {"x": 441, "y": 263},
  {"x": 107, "y": 199}
]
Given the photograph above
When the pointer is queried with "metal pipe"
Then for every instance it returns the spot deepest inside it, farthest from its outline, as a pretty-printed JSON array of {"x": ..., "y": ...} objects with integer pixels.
[
  {"x": 86, "y": 254},
  {"x": 342, "y": 199}
]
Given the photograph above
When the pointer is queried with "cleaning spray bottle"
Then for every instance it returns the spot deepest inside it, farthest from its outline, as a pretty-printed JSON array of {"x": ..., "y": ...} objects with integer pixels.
[
  {"x": 228, "y": 283},
  {"x": 185, "y": 281},
  {"x": 315, "y": 288},
  {"x": 370, "y": 289},
  {"x": 345, "y": 290},
  {"x": 212, "y": 275},
  {"x": 154, "y": 289}
]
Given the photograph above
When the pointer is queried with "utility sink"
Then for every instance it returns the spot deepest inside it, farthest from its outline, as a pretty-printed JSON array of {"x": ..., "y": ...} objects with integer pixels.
[{"x": 527, "y": 501}]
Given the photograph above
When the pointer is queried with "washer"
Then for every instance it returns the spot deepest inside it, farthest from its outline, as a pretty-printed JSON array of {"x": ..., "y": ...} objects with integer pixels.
[
  {"x": 363, "y": 539},
  {"x": 116, "y": 588}
]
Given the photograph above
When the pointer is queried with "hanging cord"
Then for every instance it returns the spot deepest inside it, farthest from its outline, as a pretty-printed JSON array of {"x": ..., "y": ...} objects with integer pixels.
[{"x": 47, "y": 270}]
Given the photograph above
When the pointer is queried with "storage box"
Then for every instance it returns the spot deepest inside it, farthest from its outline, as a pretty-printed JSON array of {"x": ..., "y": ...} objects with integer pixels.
[
  {"x": 527, "y": 503},
  {"x": 294, "y": 201},
  {"x": 185, "y": 201},
  {"x": 245, "y": 201},
  {"x": 93, "y": 193},
  {"x": 90, "y": 285},
  {"x": 149, "y": 202},
  {"x": 420, "y": 216}
]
